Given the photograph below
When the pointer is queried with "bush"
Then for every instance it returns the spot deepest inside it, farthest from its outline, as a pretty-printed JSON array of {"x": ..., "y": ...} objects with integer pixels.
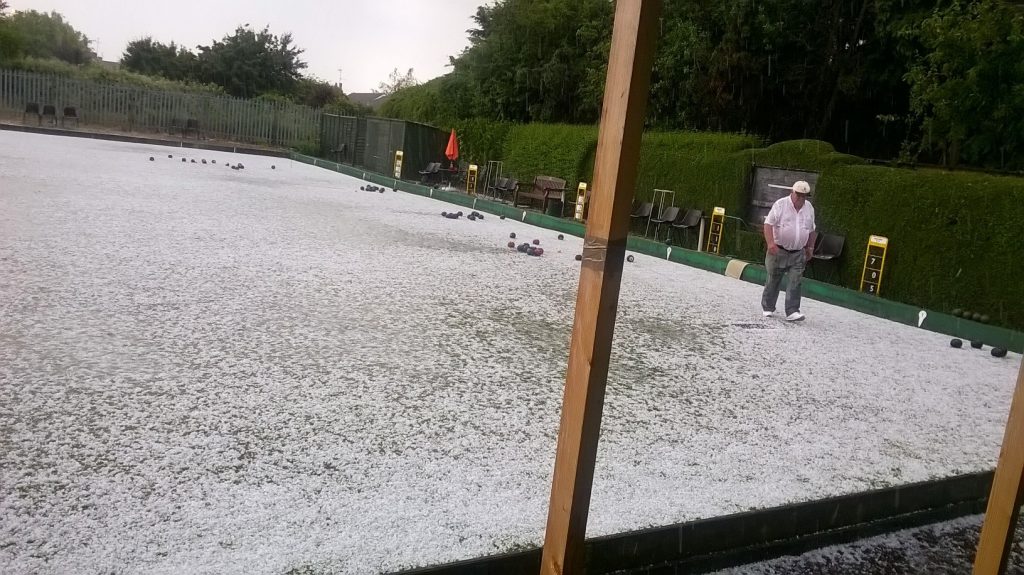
[
  {"x": 705, "y": 170},
  {"x": 481, "y": 140},
  {"x": 98, "y": 73},
  {"x": 953, "y": 236},
  {"x": 559, "y": 150}
]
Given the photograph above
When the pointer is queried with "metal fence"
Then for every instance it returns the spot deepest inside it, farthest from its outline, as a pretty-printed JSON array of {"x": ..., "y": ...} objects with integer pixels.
[
  {"x": 371, "y": 143},
  {"x": 132, "y": 108}
]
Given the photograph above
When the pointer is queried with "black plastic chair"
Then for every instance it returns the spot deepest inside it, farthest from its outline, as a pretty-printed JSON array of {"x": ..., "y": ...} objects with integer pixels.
[
  {"x": 33, "y": 109},
  {"x": 494, "y": 188},
  {"x": 509, "y": 190},
  {"x": 70, "y": 113},
  {"x": 643, "y": 210},
  {"x": 432, "y": 169},
  {"x": 690, "y": 220},
  {"x": 828, "y": 248},
  {"x": 49, "y": 114},
  {"x": 667, "y": 216},
  {"x": 191, "y": 125}
]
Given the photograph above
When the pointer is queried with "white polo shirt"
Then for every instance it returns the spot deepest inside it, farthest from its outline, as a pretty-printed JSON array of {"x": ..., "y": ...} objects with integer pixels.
[{"x": 791, "y": 227}]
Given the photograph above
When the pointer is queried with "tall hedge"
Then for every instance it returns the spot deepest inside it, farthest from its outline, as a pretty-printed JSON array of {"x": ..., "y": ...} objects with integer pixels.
[
  {"x": 954, "y": 236},
  {"x": 480, "y": 140},
  {"x": 558, "y": 150}
]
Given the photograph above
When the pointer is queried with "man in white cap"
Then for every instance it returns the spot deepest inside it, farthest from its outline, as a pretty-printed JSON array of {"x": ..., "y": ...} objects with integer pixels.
[{"x": 789, "y": 233}]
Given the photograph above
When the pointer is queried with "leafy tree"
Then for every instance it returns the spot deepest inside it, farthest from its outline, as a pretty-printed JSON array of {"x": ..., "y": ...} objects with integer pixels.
[
  {"x": 396, "y": 82},
  {"x": 43, "y": 35},
  {"x": 10, "y": 41},
  {"x": 539, "y": 60},
  {"x": 439, "y": 101},
  {"x": 146, "y": 56},
  {"x": 967, "y": 88},
  {"x": 249, "y": 62}
]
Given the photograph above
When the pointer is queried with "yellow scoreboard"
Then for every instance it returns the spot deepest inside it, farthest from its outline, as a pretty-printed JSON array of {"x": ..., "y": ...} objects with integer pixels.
[
  {"x": 874, "y": 265},
  {"x": 717, "y": 227}
]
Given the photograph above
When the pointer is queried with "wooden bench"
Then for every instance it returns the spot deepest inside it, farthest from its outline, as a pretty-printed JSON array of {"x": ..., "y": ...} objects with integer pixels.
[{"x": 543, "y": 188}]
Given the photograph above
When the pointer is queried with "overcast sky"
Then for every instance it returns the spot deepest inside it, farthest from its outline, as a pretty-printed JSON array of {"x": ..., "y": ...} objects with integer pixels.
[{"x": 367, "y": 39}]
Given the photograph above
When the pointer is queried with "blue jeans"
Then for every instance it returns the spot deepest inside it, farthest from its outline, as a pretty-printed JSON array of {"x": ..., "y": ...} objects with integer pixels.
[{"x": 791, "y": 263}]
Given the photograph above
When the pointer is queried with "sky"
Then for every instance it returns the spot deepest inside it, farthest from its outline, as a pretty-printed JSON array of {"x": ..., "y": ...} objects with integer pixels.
[{"x": 366, "y": 39}]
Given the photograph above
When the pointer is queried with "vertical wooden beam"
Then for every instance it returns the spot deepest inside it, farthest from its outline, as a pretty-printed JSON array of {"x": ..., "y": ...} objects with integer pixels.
[
  {"x": 615, "y": 168},
  {"x": 1007, "y": 493}
]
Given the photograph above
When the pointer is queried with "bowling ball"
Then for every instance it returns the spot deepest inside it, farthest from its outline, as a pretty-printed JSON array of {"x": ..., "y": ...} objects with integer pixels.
[
  {"x": 512, "y": 235},
  {"x": 183, "y": 160},
  {"x": 998, "y": 352},
  {"x": 444, "y": 213},
  {"x": 579, "y": 257},
  {"x": 977, "y": 344},
  {"x": 957, "y": 343},
  {"x": 170, "y": 155},
  {"x": 151, "y": 159},
  {"x": 511, "y": 245},
  {"x": 536, "y": 242},
  {"x": 629, "y": 259},
  {"x": 561, "y": 237},
  {"x": 538, "y": 251},
  {"x": 273, "y": 167},
  {"x": 501, "y": 217}
]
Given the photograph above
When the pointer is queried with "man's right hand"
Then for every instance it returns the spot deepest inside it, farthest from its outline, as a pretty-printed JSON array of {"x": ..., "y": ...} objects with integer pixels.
[{"x": 773, "y": 249}]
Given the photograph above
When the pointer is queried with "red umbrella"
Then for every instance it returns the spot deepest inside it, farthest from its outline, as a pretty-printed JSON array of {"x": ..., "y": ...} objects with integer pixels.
[{"x": 452, "y": 151}]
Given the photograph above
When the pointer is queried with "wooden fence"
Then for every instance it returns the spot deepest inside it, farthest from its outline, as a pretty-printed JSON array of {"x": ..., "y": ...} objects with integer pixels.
[{"x": 131, "y": 108}]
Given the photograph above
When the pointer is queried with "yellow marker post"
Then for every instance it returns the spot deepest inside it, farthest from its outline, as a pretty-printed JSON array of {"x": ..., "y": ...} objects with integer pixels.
[
  {"x": 581, "y": 200},
  {"x": 874, "y": 264},
  {"x": 471, "y": 179},
  {"x": 717, "y": 227},
  {"x": 398, "y": 165}
]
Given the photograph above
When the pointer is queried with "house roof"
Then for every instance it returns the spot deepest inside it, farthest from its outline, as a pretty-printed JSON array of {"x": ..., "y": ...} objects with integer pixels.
[{"x": 372, "y": 99}]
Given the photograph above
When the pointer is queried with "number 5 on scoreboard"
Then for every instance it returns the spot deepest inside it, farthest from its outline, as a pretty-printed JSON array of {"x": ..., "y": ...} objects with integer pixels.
[{"x": 874, "y": 265}]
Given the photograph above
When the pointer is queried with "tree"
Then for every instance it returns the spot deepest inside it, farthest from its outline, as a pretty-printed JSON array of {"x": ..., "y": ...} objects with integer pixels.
[
  {"x": 42, "y": 35},
  {"x": 248, "y": 63},
  {"x": 539, "y": 60},
  {"x": 966, "y": 91},
  {"x": 146, "y": 56},
  {"x": 396, "y": 82}
]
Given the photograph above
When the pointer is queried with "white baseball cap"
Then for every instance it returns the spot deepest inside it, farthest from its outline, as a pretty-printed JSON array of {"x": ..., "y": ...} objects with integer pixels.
[{"x": 802, "y": 187}]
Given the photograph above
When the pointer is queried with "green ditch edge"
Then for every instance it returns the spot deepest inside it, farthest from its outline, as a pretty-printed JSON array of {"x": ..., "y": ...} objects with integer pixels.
[{"x": 753, "y": 273}]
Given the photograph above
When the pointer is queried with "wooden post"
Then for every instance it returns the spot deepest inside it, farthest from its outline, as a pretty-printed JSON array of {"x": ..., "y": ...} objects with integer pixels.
[
  {"x": 618, "y": 151},
  {"x": 1007, "y": 493}
]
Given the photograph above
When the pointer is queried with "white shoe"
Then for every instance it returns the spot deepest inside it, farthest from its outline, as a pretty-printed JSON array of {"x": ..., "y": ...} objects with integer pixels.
[
  {"x": 767, "y": 313},
  {"x": 795, "y": 316}
]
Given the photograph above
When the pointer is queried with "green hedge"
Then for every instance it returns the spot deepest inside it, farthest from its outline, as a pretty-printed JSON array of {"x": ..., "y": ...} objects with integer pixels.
[
  {"x": 481, "y": 140},
  {"x": 558, "y": 150},
  {"x": 705, "y": 170},
  {"x": 954, "y": 236}
]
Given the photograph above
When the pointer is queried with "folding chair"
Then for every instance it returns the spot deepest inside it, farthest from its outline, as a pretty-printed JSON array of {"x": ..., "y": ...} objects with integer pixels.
[
  {"x": 667, "y": 216},
  {"x": 690, "y": 220},
  {"x": 70, "y": 113}
]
